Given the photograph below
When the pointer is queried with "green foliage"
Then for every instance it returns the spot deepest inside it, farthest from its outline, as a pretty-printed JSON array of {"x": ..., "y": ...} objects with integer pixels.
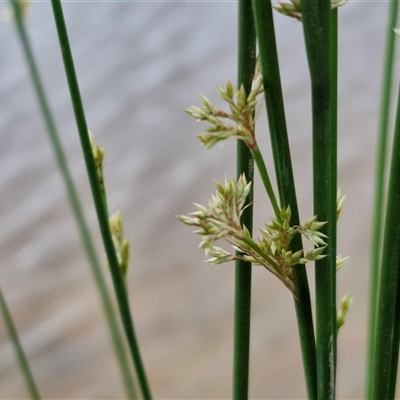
[{"x": 278, "y": 247}]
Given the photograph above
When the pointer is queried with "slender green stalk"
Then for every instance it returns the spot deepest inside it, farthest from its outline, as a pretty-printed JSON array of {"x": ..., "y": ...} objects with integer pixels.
[
  {"x": 386, "y": 332},
  {"x": 396, "y": 341},
  {"x": 102, "y": 213},
  {"x": 244, "y": 164},
  {"x": 22, "y": 359},
  {"x": 333, "y": 116},
  {"x": 380, "y": 178},
  {"x": 284, "y": 175},
  {"x": 333, "y": 151},
  {"x": 316, "y": 22},
  {"x": 96, "y": 266},
  {"x": 262, "y": 169}
]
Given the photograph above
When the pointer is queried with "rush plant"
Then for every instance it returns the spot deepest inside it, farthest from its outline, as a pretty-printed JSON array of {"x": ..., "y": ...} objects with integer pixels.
[{"x": 288, "y": 242}]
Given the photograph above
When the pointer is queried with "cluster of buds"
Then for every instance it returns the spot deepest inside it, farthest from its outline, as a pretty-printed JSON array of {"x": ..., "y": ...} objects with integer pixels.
[
  {"x": 241, "y": 113},
  {"x": 121, "y": 244},
  {"x": 221, "y": 220},
  {"x": 293, "y": 9}
]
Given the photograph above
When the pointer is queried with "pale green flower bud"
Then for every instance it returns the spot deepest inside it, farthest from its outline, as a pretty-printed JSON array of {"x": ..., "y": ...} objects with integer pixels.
[
  {"x": 219, "y": 256},
  {"x": 344, "y": 307},
  {"x": 293, "y": 9},
  {"x": 339, "y": 202},
  {"x": 340, "y": 262},
  {"x": 24, "y": 8},
  {"x": 98, "y": 156},
  {"x": 115, "y": 222},
  {"x": 315, "y": 254},
  {"x": 121, "y": 245}
]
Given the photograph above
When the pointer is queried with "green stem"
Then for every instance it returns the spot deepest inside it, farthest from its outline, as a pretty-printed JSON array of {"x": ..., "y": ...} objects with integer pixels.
[
  {"x": 264, "y": 256},
  {"x": 285, "y": 180},
  {"x": 23, "y": 361},
  {"x": 332, "y": 251},
  {"x": 386, "y": 332},
  {"x": 396, "y": 341},
  {"x": 333, "y": 120},
  {"x": 380, "y": 178},
  {"x": 96, "y": 266},
  {"x": 244, "y": 164},
  {"x": 317, "y": 33},
  {"x": 262, "y": 169},
  {"x": 102, "y": 213}
]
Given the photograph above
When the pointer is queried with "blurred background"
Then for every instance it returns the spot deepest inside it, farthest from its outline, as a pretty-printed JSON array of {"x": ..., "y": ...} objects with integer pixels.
[{"x": 139, "y": 63}]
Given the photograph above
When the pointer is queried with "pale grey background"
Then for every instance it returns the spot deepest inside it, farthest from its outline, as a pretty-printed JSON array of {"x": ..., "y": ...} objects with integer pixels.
[{"x": 139, "y": 64}]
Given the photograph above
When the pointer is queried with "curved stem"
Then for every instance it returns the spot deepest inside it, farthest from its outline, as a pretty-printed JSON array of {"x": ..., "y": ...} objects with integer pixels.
[
  {"x": 262, "y": 169},
  {"x": 72, "y": 194},
  {"x": 102, "y": 213}
]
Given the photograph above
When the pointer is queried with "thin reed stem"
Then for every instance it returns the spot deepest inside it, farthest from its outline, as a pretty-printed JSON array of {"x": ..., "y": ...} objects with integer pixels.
[
  {"x": 386, "y": 332},
  {"x": 317, "y": 32},
  {"x": 262, "y": 169},
  {"x": 332, "y": 251},
  {"x": 244, "y": 165},
  {"x": 73, "y": 197},
  {"x": 22, "y": 359},
  {"x": 334, "y": 118},
  {"x": 380, "y": 184},
  {"x": 284, "y": 176},
  {"x": 102, "y": 213},
  {"x": 395, "y": 354}
]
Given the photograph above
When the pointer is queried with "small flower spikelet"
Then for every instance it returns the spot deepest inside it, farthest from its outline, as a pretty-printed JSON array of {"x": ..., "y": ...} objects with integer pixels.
[
  {"x": 293, "y": 9},
  {"x": 121, "y": 245},
  {"x": 340, "y": 199},
  {"x": 221, "y": 220},
  {"x": 98, "y": 155},
  {"x": 344, "y": 308},
  {"x": 241, "y": 113},
  {"x": 24, "y": 7}
]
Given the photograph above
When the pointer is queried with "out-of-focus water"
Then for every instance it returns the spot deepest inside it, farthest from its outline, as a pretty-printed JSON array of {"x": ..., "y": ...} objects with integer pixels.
[{"x": 139, "y": 64}]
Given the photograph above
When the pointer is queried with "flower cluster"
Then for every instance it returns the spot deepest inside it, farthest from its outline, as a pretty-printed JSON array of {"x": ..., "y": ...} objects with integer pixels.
[
  {"x": 241, "y": 113},
  {"x": 221, "y": 220},
  {"x": 293, "y": 9}
]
